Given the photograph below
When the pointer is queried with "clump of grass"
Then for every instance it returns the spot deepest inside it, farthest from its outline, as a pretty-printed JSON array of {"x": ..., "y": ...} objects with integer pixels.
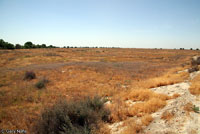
[
  {"x": 149, "y": 102},
  {"x": 167, "y": 115},
  {"x": 176, "y": 95},
  {"x": 188, "y": 107},
  {"x": 119, "y": 111},
  {"x": 81, "y": 117},
  {"x": 132, "y": 127},
  {"x": 195, "y": 86},
  {"x": 148, "y": 107},
  {"x": 41, "y": 83},
  {"x": 146, "y": 119},
  {"x": 144, "y": 95},
  {"x": 29, "y": 75}
]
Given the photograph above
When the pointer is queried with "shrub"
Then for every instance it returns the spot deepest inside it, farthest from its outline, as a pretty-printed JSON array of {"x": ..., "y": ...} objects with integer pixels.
[
  {"x": 41, "y": 83},
  {"x": 81, "y": 117},
  {"x": 193, "y": 69},
  {"x": 196, "y": 109},
  {"x": 29, "y": 75}
]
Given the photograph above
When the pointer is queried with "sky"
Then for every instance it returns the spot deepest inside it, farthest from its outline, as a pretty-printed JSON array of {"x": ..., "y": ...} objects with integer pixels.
[{"x": 107, "y": 23}]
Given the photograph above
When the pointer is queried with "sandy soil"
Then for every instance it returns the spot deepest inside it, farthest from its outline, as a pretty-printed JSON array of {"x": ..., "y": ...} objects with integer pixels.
[{"x": 182, "y": 122}]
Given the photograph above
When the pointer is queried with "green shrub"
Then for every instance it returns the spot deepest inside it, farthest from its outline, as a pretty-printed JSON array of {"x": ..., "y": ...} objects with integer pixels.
[
  {"x": 29, "y": 75},
  {"x": 196, "y": 109},
  {"x": 81, "y": 117},
  {"x": 41, "y": 83}
]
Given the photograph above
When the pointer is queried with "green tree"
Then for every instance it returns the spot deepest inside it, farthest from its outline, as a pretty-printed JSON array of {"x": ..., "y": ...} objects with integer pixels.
[
  {"x": 2, "y": 43},
  {"x": 44, "y": 46},
  {"x": 38, "y": 46},
  {"x": 18, "y": 46},
  {"x": 51, "y": 46},
  {"x": 28, "y": 44}
]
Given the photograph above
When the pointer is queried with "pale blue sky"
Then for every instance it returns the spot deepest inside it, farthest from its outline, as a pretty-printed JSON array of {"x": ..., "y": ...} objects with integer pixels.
[{"x": 119, "y": 23}]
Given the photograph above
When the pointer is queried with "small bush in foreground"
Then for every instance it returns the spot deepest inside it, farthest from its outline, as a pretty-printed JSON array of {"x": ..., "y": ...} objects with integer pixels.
[
  {"x": 29, "y": 75},
  {"x": 73, "y": 117},
  {"x": 41, "y": 83}
]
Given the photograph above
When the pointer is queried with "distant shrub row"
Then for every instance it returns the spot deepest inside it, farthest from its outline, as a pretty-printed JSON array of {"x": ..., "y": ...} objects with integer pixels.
[
  {"x": 27, "y": 45},
  {"x": 30, "y": 45}
]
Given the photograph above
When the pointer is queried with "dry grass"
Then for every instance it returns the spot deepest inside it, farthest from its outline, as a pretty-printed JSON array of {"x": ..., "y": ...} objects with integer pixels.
[
  {"x": 167, "y": 115},
  {"x": 195, "y": 86},
  {"x": 148, "y": 107},
  {"x": 147, "y": 103},
  {"x": 176, "y": 95},
  {"x": 144, "y": 95},
  {"x": 188, "y": 107},
  {"x": 146, "y": 119},
  {"x": 120, "y": 74},
  {"x": 171, "y": 77},
  {"x": 132, "y": 127}
]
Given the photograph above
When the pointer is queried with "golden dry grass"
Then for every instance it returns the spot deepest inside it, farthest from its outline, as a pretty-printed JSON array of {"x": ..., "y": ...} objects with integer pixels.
[
  {"x": 146, "y": 119},
  {"x": 176, "y": 95},
  {"x": 195, "y": 86},
  {"x": 167, "y": 116},
  {"x": 132, "y": 127},
  {"x": 188, "y": 107},
  {"x": 148, "y": 107},
  {"x": 120, "y": 74}
]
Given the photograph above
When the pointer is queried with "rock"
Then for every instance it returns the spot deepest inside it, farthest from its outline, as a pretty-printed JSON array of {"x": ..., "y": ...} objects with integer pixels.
[{"x": 195, "y": 60}]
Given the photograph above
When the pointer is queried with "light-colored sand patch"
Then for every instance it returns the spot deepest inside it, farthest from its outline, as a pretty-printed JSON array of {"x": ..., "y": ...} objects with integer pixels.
[{"x": 182, "y": 122}]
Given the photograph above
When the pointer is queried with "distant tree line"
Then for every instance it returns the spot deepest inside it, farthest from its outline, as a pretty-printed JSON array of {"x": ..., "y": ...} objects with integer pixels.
[
  {"x": 87, "y": 47},
  {"x": 27, "y": 45}
]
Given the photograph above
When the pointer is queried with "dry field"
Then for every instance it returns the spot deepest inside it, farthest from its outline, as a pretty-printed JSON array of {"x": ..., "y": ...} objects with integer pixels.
[{"x": 75, "y": 73}]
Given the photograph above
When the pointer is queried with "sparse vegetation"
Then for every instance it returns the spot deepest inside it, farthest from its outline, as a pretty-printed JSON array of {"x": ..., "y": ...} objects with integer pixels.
[
  {"x": 79, "y": 72},
  {"x": 195, "y": 86},
  {"x": 51, "y": 54},
  {"x": 167, "y": 115},
  {"x": 188, "y": 107},
  {"x": 29, "y": 75},
  {"x": 196, "y": 109},
  {"x": 80, "y": 117},
  {"x": 41, "y": 83},
  {"x": 193, "y": 69},
  {"x": 146, "y": 119}
]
